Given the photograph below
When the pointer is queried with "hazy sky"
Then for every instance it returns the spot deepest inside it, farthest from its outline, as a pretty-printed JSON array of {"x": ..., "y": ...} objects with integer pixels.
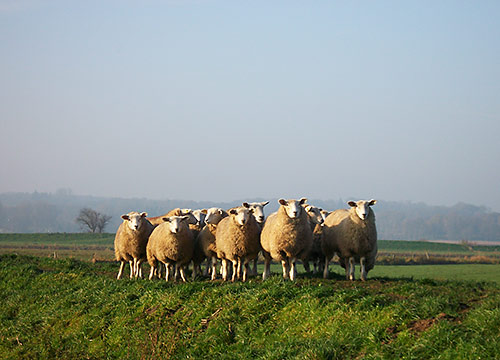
[{"x": 224, "y": 100}]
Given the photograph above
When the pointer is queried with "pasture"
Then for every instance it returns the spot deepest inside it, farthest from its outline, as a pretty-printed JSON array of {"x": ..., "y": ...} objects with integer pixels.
[{"x": 69, "y": 309}]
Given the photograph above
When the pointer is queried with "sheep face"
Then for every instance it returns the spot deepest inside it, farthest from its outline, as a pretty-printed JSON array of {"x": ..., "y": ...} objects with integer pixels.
[
  {"x": 258, "y": 210},
  {"x": 241, "y": 214},
  {"x": 134, "y": 220},
  {"x": 293, "y": 208},
  {"x": 199, "y": 216},
  {"x": 315, "y": 214},
  {"x": 362, "y": 207},
  {"x": 213, "y": 216},
  {"x": 175, "y": 222}
]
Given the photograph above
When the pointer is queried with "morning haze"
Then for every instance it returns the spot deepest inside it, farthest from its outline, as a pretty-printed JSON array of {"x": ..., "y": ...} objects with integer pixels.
[{"x": 218, "y": 100}]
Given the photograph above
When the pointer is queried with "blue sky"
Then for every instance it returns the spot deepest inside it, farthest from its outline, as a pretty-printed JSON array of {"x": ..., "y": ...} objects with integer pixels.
[{"x": 224, "y": 100}]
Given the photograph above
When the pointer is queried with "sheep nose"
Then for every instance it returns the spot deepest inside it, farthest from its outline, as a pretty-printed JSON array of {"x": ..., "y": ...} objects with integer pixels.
[{"x": 261, "y": 218}]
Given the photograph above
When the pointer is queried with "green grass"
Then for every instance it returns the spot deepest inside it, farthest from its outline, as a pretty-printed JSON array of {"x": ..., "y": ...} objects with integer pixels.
[
  {"x": 421, "y": 247},
  {"x": 474, "y": 272},
  {"x": 68, "y": 309},
  {"x": 63, "y": 239}
]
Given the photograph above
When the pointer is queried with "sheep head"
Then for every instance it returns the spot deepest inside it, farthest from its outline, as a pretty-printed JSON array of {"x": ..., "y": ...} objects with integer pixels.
[
  {"x": 199, "y": 216},
  {"x": 293, "y": 208},
  {"x": 362, "y": 207},
  {"x": 175, "y": 222},
  {"x": 315, "y": 214},
  {"x": 258, "y": 210},
  {"x": 241, "y": 214},
  {"x": 134, "y": 220},
  {"x": 214, "y": 215}
]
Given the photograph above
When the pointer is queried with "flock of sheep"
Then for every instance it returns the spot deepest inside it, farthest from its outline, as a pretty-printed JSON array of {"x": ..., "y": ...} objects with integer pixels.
[{"x": 236, "y": 237}]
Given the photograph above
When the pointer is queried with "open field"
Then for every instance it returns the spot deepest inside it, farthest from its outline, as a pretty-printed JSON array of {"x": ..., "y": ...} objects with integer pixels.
[
  {"x": 68, "y": 309},
  {"x": 85, "y": 246}
]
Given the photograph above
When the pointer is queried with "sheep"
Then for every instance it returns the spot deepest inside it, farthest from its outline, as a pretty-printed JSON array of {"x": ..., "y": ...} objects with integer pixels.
[
  {"x": 130, "y": 242},
  {"x": 352, "y": 234},
  {"x": 205, "y": 241},
  {"x": 286, "y": 236},
  {"x": 316, "y": 220},
  {"x": 258, "y": 213},
  {"x": 157, "y": 220},
  {"x": 237, "y": 240},
  {"x": 172, "y": 244},
  {"x": 196, "y": 224}
]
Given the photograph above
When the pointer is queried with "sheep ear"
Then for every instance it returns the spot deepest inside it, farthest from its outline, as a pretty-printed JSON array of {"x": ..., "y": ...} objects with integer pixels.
[
  {"x": 303, "y": 201},
  {"x": 283, "y": 202},
  {"x": 233, "y": 211},
  {"x": 351, "y": 203},
  {"x": 144, "y": 214},
  {"x": 204, "y": 211},
  {"x": 264, "y": 203},
  {"x": 125, "y": 217},
  {"x": 245, "y": 204},
  {"x": 186, "y": 211},
  {"x": 372, "y": 202},
  {"x": 308, "y": 208}
]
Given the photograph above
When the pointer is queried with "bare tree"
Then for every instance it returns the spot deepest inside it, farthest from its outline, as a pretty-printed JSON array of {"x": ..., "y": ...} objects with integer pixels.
[{"x": 92, "y": 220}]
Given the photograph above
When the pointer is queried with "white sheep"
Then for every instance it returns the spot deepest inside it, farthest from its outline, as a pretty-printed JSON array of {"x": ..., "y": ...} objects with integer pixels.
[
  {"x": 205, "y": 241},
  {"x": 315, "y": 254},
  {"x": 258, "y": 212},
  {"x": 352, "y": 234},
  {"x": 196, "y": 225},
  {"x": 237, "y": 240},
  {"x": 286, "y": 236},
  {"x": 172, "y": 244},
  {"x": 130, "y": 242}
]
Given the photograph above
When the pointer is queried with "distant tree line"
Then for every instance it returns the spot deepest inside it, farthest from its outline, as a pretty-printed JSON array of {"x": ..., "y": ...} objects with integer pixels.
[{"x": 45, "y": 212}]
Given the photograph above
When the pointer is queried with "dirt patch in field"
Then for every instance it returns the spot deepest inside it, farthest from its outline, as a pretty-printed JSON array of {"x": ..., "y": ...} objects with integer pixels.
[{"x": 422, "y": 325}]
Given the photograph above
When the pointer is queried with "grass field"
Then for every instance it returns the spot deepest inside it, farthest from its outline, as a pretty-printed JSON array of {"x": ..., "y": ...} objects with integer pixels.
[
  {"x": 85, "y": 246},
  {"x": 69, "y": 309}
]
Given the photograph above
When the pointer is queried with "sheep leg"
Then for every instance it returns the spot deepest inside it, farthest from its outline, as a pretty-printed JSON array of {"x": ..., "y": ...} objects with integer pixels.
[
  {"x": 245, "y": 271},
  {"x": 363, "y": 268},
  {"x": 167, "y": 271},
  {"x": 139, "y": 268},
  {"x": 241, "y": 266},
  {"x": 131, "y": 263},
  {"x": 236, "y": 269},
  {"x": 120, "y": 271},
  {"x": 293, "y": 271},
  {"x": 254, "y": 271},
  {"x": 213, "y": 265},
  {"x": 152, "y": 272},
  {"x": 267, "y": 268},
  {"x": 135, "y": 268},
  {"x": 182, "y": 273},
  {"x": 350, "y": 268},
  {"x": 325, "y": 270},
  {"x": 286, "y": 268},
  {"x": 223, "y": 269},
  {"x": 176, "y": 272}
]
